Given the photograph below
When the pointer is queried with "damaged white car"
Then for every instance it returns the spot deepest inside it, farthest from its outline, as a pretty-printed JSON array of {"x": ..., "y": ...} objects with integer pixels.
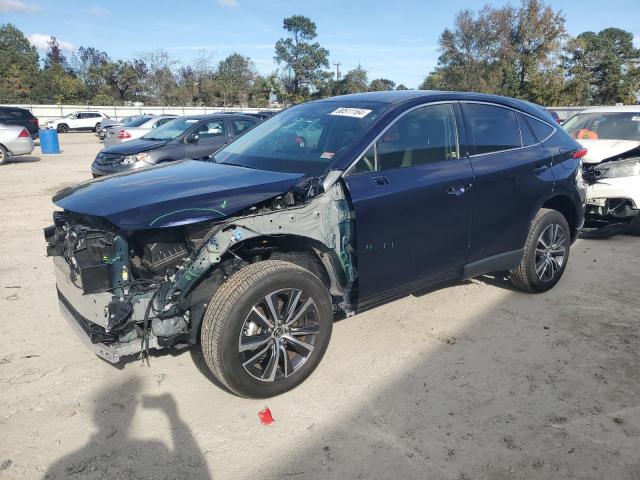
[{"x": 611, "y": 136}]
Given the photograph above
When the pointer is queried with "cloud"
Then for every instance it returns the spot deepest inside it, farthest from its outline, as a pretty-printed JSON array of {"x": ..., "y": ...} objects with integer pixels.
[
  {"x": 18, "y": 6},
  {"x": 41, "y": 42},
  {"x": 97, "y": 11},
  {"x": 228, "y": 3}
]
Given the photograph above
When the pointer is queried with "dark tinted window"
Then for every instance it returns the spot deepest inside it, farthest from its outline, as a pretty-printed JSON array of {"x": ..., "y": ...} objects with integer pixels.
[
  {"x": 162, "y": 121},
  {"x": 540, "y": 129},
  {"x": 493, "y": 128},
  {"x": 525, "y": 131},
  {"x": 15, "y": 113},
  {"x": 240, "y": 126},
  {"x": 136, "y": 122},
  {"x": 425, "y": 135}
]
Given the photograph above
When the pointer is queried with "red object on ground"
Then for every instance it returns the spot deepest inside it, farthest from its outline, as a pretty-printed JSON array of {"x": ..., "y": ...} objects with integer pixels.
[{"x": 265, "y": 416}]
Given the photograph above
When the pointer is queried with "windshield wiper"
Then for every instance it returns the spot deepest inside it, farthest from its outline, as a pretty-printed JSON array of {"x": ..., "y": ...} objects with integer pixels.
[{"x": 238, "y": 165}]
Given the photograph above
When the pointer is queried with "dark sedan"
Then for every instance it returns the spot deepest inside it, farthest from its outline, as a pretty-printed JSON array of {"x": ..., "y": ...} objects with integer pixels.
[{"x": 184, "y": 137}]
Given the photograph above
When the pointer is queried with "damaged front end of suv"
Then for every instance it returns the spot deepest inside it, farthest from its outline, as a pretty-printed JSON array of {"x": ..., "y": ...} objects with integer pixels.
[
  {"x": 138, "y": 273},
  {"x": 613, "y": 193}
]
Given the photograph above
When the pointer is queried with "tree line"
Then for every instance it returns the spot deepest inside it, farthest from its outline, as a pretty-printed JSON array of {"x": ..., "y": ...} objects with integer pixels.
[{"x": 523, "y": 52}]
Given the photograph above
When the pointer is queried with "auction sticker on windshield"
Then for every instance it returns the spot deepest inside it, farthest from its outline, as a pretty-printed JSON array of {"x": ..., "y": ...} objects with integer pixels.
[{"x": 351, "y": 112}]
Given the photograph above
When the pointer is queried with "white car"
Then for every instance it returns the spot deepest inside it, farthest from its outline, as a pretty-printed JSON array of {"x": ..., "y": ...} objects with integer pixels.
[
  {"x": 77, "y": 121},
  {"x": 14, "y": 140},
  {"x": 136, "y": 128},
  {"x": 611, "y": 136}
]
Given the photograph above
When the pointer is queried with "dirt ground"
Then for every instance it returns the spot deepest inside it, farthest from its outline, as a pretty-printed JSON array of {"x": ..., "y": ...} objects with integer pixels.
[{"x": 475, "y": 381}]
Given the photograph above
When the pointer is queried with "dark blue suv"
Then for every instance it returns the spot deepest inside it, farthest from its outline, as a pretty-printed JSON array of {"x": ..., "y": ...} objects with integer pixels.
[{"x": 331, "y": 206}]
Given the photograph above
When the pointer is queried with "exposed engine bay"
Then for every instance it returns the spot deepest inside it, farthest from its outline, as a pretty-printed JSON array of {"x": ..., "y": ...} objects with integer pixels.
[{"x": 131, "y": 291}]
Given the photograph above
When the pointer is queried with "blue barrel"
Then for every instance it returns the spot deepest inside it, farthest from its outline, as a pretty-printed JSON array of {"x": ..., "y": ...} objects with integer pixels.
[{"x": 49, "y": 141}]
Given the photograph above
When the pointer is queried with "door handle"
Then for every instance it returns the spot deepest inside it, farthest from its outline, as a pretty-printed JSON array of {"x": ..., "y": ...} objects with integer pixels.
[
  {"x": 460, "y": 190},
  {"x": 381, "y": 180},
  {"x": 540, "y": 169}
]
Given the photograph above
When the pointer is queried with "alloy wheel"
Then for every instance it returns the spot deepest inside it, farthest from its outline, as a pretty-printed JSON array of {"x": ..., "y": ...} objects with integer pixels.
[
  {"x": 278, "y": 335},
  {"x": 550, "y": 252}
]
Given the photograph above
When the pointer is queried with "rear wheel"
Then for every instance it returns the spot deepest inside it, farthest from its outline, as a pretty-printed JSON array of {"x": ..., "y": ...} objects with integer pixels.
[
  {"x": 546, "y": 253},
  {"x": 634, "y": 227},
  {"x": 4, "y": 155},
  {"x": 63, "y": 128},
  {"x": 267, "y": 328}
]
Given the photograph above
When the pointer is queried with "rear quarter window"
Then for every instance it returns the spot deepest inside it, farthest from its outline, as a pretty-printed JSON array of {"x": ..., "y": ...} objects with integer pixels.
[
  {"x": 541, "y": 130},
  {"x": 492, "y": 128}
]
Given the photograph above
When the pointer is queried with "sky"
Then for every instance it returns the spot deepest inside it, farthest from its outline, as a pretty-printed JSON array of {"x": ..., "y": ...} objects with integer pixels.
[{"x": 395, "y": 39}]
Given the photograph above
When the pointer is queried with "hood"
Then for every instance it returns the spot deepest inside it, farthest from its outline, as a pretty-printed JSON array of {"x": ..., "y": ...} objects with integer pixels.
[
  {"x": 173, "y": 194},
  {"x": 134, "y": 146},
  {"x": 599, "y": 150}
]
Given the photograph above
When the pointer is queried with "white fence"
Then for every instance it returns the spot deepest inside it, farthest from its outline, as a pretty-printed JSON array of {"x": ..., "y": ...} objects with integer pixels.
[{"x": 48, "y": 112}]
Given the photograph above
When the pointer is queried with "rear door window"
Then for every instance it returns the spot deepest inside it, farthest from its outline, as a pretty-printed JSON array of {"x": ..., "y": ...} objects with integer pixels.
[{"x": 491, "y": 128}]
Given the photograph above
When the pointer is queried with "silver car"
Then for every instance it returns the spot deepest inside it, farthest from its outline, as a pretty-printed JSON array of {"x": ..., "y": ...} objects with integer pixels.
[
  {"x": 134, "y": 129},
  {"x": 14, "y": 140}
]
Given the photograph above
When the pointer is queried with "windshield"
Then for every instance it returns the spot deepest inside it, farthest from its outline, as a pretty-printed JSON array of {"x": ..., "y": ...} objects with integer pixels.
[
  {"x": 170, "y": 130},
  {"x": 307, "y": 139},
  {"x": 136, "y": 122},
  {"x": 604, "y": 126}
]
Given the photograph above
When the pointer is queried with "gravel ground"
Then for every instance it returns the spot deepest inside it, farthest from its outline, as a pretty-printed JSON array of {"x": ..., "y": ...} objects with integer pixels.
[{"x": 475, "y": 381}]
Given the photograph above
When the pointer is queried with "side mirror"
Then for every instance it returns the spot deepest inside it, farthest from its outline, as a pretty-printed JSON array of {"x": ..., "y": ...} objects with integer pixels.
[{"x": 193, "y": 138}]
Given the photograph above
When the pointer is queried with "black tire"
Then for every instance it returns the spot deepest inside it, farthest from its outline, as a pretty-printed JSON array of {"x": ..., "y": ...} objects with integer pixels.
[
  {"x": 225, "y": 322},
  {"x": 96, "y": 128},
  {"x": 634, "y": 226},
  {"x": 4, "y": 155},
  {"x": 527, "y": 276},
  {"x": 63, "y": 128}
]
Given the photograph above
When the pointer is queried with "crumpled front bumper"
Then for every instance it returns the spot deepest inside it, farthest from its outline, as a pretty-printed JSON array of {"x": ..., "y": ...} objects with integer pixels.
[{"x": 85, "y": 312}]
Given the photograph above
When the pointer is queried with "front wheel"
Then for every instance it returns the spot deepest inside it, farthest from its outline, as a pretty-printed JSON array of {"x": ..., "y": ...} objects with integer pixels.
[
  {"x": 267, "y": 328},
  {"x": 96, "y": 128},
  {"x": 63, "y": 128},
  {"x": 546, "y": 253}
]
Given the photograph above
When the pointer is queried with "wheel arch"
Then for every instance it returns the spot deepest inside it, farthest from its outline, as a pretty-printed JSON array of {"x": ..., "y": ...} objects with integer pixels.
[
  {"x": 305, "y": 252},
  {"x": 563, "y": 204}
]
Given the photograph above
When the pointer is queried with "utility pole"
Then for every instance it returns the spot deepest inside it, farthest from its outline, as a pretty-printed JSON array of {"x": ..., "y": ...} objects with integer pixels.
[{"x": 337, "y": 70}]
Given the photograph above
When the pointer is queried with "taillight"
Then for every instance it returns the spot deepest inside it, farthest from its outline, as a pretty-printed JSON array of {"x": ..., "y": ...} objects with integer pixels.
[
  {"x": 122, "y": 134},
  {"x": 24, "y": 133},
  {"x": 580, "y": 153}
]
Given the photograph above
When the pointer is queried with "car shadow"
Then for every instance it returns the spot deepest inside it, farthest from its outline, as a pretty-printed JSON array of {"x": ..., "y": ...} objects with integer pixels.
[
  {"x": 497, "y": 279},
  {"x": 24, "y": 159},
  {"x": 112, "y": 451},
  {"x": 492, "y": 396}
]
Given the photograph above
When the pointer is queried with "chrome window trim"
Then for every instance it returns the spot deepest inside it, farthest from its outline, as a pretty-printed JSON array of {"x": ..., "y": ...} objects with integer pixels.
[{"x": 347, "y": 171}]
